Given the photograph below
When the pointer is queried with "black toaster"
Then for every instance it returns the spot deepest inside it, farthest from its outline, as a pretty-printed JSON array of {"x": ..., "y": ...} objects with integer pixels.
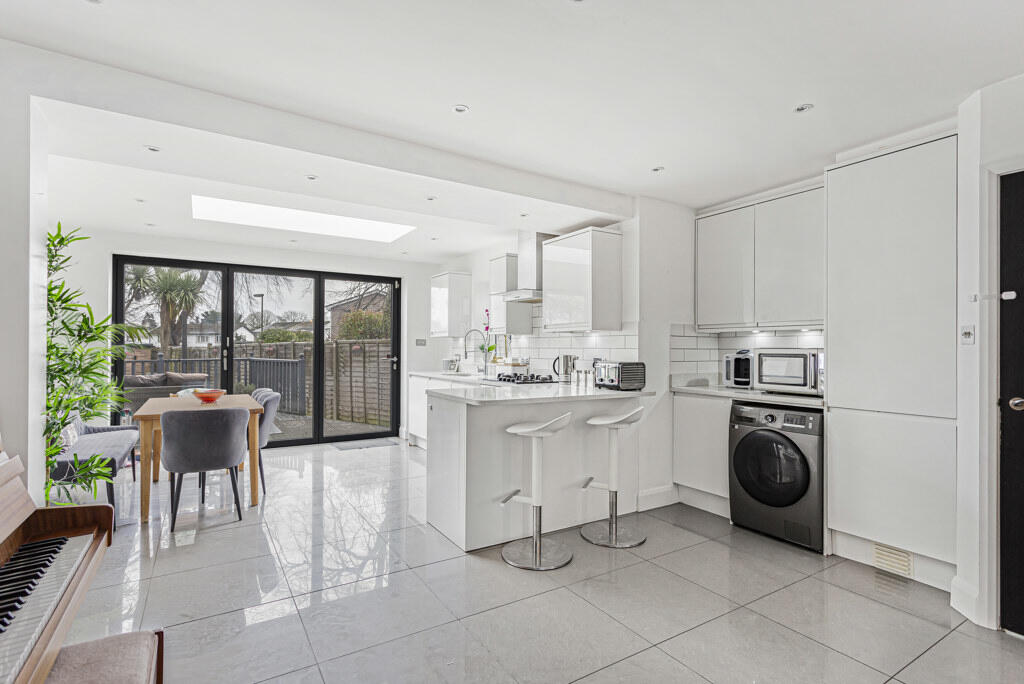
[{"x": 620, "y": 375}]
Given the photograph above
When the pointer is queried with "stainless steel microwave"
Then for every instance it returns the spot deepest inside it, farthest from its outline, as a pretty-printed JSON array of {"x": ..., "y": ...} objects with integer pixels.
[{"x": 793, "y": 371}]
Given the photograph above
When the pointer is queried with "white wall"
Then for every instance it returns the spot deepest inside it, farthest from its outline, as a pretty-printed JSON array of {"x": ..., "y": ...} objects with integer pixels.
[
  {"x": 30, "y": 72},
  {"x": 990, "y": 143},
  {"x": 92, "y": 271}
]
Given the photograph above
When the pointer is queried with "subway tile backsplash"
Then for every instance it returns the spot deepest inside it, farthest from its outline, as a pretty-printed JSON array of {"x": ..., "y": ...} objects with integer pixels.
[
  {"x": 543, "y": 348},
  {"x": 696, "y": 355}
]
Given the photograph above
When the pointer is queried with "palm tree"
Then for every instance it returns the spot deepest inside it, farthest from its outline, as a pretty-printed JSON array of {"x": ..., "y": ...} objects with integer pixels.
[{"x": 178, "y": 294}]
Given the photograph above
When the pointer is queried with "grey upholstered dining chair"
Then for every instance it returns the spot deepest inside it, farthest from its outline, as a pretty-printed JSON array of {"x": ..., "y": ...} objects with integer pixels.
[
  {"x": 201, "y": 440},
  {"x": 270, "y": 401}
]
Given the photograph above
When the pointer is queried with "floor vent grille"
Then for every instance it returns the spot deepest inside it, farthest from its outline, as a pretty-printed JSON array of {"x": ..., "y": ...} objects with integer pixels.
[{"x": 892, "y": 560}]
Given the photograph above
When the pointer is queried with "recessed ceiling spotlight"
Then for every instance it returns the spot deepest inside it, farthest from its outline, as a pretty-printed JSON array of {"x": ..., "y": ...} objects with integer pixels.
[
  {"x": 523, "y": 215},
  {"x": 755, "y": 331},
  {"x": 460, "y": 109},
  {"x": 312, "y": 177},
  {"x": 658, "y": 169},
  {"x": 293, "y": 242},
  {"x": 431, "y": 198},
  {"x": 805, "y": 329},
  {"x": 405, "y": 251},
  {"x": 805, "y": 107},
  {"x": 139, "y": 200},
  {"x": 152, "y": 148},
  {"x": 434, "y": 239},
  {"x": 151, "y": 225},
  {"x": 95, "y": 2}
]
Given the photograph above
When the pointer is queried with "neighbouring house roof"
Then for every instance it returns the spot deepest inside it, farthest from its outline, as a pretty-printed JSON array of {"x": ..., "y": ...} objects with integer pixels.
[{"x": 348, "y": 302}]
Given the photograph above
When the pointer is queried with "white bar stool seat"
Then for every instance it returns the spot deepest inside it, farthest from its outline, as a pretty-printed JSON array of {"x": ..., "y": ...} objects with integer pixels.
[
  {"x": 613, "y": 533},
  {"x": 533, "y": 553}
]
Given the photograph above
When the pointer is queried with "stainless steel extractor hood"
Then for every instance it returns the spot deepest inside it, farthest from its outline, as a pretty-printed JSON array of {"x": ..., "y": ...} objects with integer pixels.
[{"x": 529, "y": 248}]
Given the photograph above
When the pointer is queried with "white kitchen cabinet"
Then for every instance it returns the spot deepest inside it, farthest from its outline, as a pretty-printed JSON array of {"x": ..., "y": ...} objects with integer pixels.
[
  {"x": 450, "y": 304},
  {"x": 583, "y": 281},
  {"x": 891, "y": 318},
  {"x": 725, "y": 270},
  {"x": 504, "y": 273},
  {"x": 510, "y": 318},
  {"x": 789, "y": 260},
  {"x": 416, "y": 431},
  {"x": 700, "y": 443},
  {"x": 892, "y": 479}
]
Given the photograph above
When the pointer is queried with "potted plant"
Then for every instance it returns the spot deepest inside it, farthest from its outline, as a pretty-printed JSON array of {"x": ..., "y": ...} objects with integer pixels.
[{"x": 79, "y": 352}]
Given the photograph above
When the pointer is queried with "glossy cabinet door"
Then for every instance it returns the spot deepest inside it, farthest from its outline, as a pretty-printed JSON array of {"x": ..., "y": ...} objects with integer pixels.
[
  {"x": 417, "y": 407},
  {"x": 892, "y": 479},
  {"x": 504, "y": 273},
  {"x": 725, "y": 270},
  {"x": 450, "y": 304},
  {"x": 892, "y": 329},
  {"x": 583, "y": 281},
  {"x": 700, "y": 443},
  {"x": 510, "y": 318},
  {"x": 789, "y": 260}
]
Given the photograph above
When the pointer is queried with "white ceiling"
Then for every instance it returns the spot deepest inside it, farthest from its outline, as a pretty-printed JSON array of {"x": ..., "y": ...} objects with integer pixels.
[
  {"x": 598, "y": 91},
  {"x": 100, "y": 165}
]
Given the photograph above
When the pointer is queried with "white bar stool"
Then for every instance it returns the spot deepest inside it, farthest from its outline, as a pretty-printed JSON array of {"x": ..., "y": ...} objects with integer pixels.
[
  {"x": 612, "y": 533},
  {"x": 530, "y": 553}
]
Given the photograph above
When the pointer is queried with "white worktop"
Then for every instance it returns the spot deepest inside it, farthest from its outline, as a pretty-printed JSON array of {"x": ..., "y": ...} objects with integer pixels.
[
  {"x": 530, "y": 394},
  {"x": 750, "y": 395}
]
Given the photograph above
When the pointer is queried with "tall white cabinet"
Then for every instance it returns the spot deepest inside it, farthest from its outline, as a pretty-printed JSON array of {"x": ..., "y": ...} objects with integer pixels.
[
  {"x": 583, "y": 281},
  {"x": 891, "y": 348}
]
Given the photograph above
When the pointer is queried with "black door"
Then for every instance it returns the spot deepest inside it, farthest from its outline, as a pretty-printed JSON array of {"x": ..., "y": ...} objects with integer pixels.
[
  {"x": 771, "y": 468},
  {"x": 1011, "y": 404}
]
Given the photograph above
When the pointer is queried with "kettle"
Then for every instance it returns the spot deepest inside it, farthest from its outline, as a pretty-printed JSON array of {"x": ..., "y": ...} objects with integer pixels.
[{"x": 566, "y": 362}]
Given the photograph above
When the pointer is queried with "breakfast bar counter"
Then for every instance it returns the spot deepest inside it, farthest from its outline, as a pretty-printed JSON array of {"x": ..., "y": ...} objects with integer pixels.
[{"x": 473, "y": 463}]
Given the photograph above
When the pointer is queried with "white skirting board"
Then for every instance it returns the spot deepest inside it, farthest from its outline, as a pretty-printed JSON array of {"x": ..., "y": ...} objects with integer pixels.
[
  {"x": 656, "y": 497},
  {"x": 705, "y": 501},
  {"x": 934, "y": 573},
  {"x": 416, "y": 441}
]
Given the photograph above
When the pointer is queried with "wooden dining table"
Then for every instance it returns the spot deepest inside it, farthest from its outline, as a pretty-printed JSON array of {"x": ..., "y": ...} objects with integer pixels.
[{"x": 148, "y": 418}]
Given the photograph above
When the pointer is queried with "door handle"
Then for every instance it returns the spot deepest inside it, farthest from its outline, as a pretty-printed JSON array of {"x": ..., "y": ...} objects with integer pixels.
[{"x": 1017, "y": 404}]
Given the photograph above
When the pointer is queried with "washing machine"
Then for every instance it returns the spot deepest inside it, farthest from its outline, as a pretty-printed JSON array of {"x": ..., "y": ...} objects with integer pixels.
[{"x": 776, "y": 474}]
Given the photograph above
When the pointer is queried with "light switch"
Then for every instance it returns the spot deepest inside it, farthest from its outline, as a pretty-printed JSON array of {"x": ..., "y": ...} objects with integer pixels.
[
  {"x": 421, "y": 342},
  {"x": 967, "y": 334}
]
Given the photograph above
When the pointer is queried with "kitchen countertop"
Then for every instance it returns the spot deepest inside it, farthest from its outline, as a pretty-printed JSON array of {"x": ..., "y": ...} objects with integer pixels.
[
  {"x": 750, "y": 395},
  {"x": 530, "y": 394}
]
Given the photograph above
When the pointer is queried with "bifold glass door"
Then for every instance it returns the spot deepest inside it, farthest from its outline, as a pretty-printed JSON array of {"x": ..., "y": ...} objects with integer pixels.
[{"x": 328, "y": 343}]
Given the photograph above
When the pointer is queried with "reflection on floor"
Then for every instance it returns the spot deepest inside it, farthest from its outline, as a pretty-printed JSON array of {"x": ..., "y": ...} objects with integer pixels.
[{"x": 337, "y": 578}]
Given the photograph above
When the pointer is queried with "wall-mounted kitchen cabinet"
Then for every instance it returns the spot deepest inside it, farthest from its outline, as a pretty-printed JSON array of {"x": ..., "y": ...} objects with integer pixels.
[
  {"x": 725, "y": 270},
  {"x": 583, "y": 281},
  {"x": 504, "y": 273},
  {"x": 510, "y": 318},
  {"x": 789, "y": 260},
  {"x": 451, "y": 297},
  {"x": 763, "y": 266}
]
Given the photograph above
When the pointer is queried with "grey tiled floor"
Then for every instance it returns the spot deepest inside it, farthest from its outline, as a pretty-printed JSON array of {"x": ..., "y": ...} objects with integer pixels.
[{"x": 336, "y": 577}]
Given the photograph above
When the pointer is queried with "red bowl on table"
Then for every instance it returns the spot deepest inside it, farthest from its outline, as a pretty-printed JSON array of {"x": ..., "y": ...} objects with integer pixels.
[{"x": 208, "y": 396}]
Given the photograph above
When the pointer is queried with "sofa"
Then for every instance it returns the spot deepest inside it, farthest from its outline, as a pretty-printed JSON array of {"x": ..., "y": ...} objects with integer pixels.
[
  {"x": 139, "y": 388},
  {"x": 116, "y": 443}
]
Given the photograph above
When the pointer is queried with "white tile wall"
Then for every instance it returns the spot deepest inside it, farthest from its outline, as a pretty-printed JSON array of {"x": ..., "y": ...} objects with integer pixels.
[
  {"x": 543, "y": 347},
  {"x": 699, "y": 355}
]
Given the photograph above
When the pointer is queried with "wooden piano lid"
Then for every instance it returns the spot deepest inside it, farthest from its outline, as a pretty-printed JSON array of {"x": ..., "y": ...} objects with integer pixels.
[{"x": 15, "y": 503}]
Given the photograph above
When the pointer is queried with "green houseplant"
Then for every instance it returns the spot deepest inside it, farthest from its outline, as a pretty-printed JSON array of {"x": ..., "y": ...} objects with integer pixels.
[{"x": 79, "y": 352}]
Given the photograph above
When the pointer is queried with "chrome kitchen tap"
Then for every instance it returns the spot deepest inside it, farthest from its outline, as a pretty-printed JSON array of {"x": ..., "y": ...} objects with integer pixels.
[{"x": 465, "y": 345}]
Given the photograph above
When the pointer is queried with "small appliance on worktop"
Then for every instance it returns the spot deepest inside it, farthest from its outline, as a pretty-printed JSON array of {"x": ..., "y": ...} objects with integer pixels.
[
  {"x": 620, "y": 375},
  {"x": 789, "y": 371}
]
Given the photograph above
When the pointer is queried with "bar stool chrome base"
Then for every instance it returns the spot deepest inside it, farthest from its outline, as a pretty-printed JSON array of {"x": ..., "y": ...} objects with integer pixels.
[
  {"x": 521, "y": 554},
  {"x": 624, "y": 536}
]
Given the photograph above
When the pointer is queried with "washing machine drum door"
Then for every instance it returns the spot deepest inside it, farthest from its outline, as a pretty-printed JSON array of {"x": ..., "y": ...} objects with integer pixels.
[{"x": 771, "y": 469}]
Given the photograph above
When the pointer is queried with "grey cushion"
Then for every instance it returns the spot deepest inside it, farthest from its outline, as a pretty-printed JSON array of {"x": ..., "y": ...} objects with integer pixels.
[
  {"x": 200, "y": 440},
  {"x": 116, "y": 445},
  {"x": 186, "y": 379},
  {"x": 150, "y": 380},
  {"x": 121, "y": 659}
]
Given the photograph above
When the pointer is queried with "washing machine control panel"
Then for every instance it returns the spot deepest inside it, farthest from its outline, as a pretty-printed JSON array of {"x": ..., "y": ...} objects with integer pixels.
[{"x": 781, "y": 418}]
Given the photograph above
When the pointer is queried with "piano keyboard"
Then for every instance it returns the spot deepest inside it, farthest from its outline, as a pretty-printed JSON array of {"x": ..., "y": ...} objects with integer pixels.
[{"x": 32, "y": 583}]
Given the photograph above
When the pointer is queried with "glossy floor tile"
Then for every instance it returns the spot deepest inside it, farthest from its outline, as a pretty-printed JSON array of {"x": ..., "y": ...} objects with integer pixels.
[
  {"x": 646, "y": 667},
  {"x": 335, "y": 576},
  {"x": 873, "y": 633},
  {"x": 448, "y": 653},
  {"x": 746, "y": 647},
  {"x": 651, "y": 601},
  {"x": 738, "y": 576},
  {"x": 554, "y": 637}
]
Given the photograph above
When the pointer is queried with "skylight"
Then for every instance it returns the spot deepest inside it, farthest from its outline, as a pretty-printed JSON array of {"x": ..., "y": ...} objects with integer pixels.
[{"x": 299, "y": 220}]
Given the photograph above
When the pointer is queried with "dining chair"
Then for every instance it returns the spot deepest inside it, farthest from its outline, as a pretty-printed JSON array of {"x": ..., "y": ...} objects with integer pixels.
[
  {"x": 274, "y": 430},
  {"x": 201, "y": 440},
  {"x": 270, "y": 401}
]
